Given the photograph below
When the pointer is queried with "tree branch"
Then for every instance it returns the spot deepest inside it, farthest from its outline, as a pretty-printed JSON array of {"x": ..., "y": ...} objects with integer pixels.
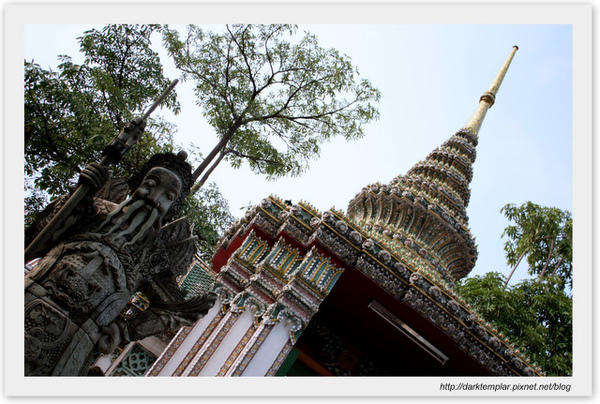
[
  {"x": 257, "y": 160},
  {"x": 204, "y": 178},
  {"x": 48, "y": 138},
  {"x": 242, "y": 51}
]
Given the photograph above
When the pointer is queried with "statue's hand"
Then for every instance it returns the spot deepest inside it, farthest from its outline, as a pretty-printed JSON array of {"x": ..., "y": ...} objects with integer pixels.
[
  {"x": 95, "y": 175},
  {"x": 110, "y": 339}
]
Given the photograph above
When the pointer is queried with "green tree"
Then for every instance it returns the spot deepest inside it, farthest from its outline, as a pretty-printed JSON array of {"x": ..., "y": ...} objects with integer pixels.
[
  {"x": 272, "y": 97},
  {"x": 542, "y": 234},
  {"x": 535, "y": 315},
  {"x": 71, "y": 114},
  {"x": 209, "y": 212}
]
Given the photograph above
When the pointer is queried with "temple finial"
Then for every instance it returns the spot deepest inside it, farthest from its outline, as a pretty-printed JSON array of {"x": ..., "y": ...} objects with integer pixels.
[{"x": 489, "y": 97}]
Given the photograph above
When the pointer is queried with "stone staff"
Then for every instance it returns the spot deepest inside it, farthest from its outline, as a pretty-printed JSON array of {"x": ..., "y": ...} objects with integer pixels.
[{"x": 112, "y": 154}]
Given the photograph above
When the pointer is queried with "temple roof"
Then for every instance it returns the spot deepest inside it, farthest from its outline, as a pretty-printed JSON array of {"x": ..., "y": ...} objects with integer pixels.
[{"x": 394, "y": 270}]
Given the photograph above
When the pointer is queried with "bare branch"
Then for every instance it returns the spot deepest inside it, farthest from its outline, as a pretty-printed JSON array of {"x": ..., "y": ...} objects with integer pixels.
[
  {"x": 257, "y": 160},
  {"x": 242, "y": 51}
]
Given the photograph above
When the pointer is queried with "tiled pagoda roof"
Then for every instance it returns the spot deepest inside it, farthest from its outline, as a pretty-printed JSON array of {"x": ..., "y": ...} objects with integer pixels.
[{"x": 427, "y": 206}]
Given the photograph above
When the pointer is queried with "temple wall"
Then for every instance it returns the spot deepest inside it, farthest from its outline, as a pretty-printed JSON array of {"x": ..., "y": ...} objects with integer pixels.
[
  {"x": 183, "y": 343},
  {"x": 268, "y": 352},
  {"x": 221, "y": 347}
]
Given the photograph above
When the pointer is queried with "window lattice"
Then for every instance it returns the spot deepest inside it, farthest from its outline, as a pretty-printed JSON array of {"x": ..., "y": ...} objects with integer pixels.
[{"x": 137, "y": 362}]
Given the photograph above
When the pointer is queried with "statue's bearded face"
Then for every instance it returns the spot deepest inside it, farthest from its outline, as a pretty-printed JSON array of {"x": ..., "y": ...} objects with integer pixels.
[
  {"x": 160, "y": 188},
  {"x": 146, "y": 207}
]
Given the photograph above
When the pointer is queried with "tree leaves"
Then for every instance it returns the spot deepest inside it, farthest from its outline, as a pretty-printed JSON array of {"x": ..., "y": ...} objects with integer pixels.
[
  {"x": 544, "y": 235},
  {"x": 273, "y": 96},
  {"x": 535, "y": 314},
  {"x": 71, "y": 114},
  {"x": 209, "y": 212}
]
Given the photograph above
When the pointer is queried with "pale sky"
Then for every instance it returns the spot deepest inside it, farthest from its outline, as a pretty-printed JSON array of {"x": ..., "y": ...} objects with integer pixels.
[{"x": 431, "y": 78}]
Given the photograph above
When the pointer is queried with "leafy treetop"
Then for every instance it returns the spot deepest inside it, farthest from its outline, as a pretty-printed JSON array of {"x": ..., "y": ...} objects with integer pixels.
[
  {"x": 72, "y": 114},
  {"x": 542, "y": 234},
  {"x": 272, "y": 98},
  {"x": 535, "y": 314}
]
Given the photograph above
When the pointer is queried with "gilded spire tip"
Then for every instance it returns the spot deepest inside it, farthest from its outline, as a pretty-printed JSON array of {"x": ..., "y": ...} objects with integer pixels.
[{"x": 489, "y": 97}]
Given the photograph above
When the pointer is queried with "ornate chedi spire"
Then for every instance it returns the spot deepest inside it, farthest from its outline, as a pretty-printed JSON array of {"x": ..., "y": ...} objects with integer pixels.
[{"x": 426, "y": 208}]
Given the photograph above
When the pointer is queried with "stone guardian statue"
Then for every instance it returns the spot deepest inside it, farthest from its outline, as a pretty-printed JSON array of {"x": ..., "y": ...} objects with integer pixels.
[{"x": 100, "y": 256}]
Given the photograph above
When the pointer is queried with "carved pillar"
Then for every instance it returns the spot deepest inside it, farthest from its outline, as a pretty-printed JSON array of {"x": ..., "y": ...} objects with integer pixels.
[
  {"x": 186, "y": 344},
  {"x": 219, "y": 346},
  {"x": 262, "y": 351},
  {"x": 267, "y": 296}
]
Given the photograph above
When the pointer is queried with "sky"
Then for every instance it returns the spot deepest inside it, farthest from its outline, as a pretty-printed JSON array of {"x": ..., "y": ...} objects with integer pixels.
[
  {"x": 431, "y": 78},
  {"x": 431, "y": 63}
]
